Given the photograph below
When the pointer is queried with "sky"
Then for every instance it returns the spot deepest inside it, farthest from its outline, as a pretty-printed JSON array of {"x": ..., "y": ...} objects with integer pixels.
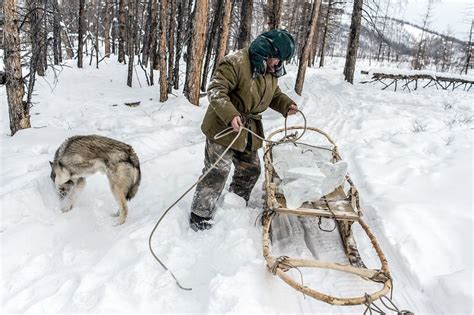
[{"x": 455, "y": 14}]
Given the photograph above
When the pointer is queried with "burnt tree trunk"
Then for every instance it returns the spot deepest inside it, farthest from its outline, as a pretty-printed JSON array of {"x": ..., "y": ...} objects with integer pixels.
[
  {"x": 80, "y": 33},
  {"x": 306, "y": 48},
  {"x": 153, "y": 38},
  {"x": 179, "y": 41},
  {"x": 194, "y": 60},
  {"x": 210, "y": 42},
  {"x": 162, "y": 51},
  {"x": 132, "y": 18},
  {"x": 245, "y": 23},
  {"x": 56, "y": 33},
  {"x": 121, "y": 39},
  {"x": 353, "y": 42},
  {"x": 171, "y": 45},
  {"x": 18, "y": 110}
]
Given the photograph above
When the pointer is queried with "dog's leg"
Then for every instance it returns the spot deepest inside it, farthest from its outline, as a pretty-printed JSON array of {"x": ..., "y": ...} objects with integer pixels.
[
  {"x": 119, "y": 192},
  {"x": 119, "y": 196},
  {"x": 72, "y": 199}
]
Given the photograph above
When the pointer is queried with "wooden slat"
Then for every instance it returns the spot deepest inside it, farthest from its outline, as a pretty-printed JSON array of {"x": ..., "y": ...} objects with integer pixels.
[{"x": 340, "y": 215}]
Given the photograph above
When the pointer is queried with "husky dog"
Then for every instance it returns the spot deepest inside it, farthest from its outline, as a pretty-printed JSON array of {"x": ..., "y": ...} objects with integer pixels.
[{"x": 81, "y": 156}]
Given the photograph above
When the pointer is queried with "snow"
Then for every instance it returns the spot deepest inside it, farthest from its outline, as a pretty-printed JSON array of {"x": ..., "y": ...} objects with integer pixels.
[{"x": 415, "y": 188}]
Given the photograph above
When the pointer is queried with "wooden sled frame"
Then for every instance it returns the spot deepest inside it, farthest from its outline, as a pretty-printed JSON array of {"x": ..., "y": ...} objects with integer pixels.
[{"x": 276, "y": 204}]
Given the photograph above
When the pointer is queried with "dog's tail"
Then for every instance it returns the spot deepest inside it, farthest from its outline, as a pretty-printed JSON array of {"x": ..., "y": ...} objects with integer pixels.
[{"x": 132, "y": 191}]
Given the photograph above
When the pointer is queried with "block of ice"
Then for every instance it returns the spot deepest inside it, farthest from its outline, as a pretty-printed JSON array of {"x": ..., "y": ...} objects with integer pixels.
[{"x": 306, "y": 173}]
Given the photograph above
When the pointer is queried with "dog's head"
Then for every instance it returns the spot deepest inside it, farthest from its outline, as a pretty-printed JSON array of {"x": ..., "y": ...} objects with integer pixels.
[{"x": 61, "y": 179}]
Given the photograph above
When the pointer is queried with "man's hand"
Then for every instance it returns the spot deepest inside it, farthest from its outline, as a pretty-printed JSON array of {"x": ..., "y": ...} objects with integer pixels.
[
  {"x": 293, "y": 109},
  {"x": 236, "y": 123}
]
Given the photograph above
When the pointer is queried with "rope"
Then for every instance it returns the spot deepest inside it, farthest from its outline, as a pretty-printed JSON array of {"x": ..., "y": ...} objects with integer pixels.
[
  {"x": 334, "y": 218},
  {"x": 287, "y": 138},
  {"x": 386, "y": 302}
]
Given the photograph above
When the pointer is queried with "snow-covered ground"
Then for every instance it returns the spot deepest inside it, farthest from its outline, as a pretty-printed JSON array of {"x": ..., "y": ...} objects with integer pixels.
[{"x": 409, "y": 154}]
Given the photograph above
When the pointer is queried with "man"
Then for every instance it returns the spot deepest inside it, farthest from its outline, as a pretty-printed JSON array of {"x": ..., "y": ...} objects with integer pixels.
[{"x": 243, "y": 85}]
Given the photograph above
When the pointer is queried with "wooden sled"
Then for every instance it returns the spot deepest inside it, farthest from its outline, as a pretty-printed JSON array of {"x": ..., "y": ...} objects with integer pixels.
[{"x": 346, "y": 213}]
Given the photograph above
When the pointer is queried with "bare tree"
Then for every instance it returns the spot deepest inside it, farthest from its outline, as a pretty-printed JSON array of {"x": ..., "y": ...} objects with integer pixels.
[
  {"x": 306, "y": 48},
  {"x": 245, "y": 23},
  {"x": 171, "y": 43},
  {"x": 107, "y": 13},
  {"x": 133, "y": 25},
  {"x": 162, "y": 51},
  {"x": 80, "y": 33},
  {"x": 418, "y": 62},
  {"x": 274, "y": 10},
  {"x": 469, "y": 50},
  {"x": 353, "y": 42},
  {"x": 18, "y": 110},
  {"x": 223, "y": 34},
  {"x": 194, "y": 60},
  {"x": 211, "y": 39},
  {"x": 121, "y": 39},
  {"x": 153, "y": 37}
]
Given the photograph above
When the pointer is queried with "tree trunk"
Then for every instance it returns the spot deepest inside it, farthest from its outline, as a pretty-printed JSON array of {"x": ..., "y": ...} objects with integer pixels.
[
  {"x": 80, "y": 33},
  {"x": 194, "y": 61},
  {"x": 132, "y": 18},
  {"x": 67, "y": 43},
  {"x": 210, "y": 42},
  {"x": 353, "y": 42},
  {"x": 162, "y": 51},
  {"x": 179, "y": 42},
  {"x": 274, "y": 8},
  {"x": 171, "y": 33},
  {"x": 18, "y": 111},
  {"x": 114, "y": 25},
  {"x": 245, "y": 23},
  {"x": 107, "y": 28},
  {"x": 121, "y": 43},
  {"x": 325, "y": 35},
  {"x": 223, "y": 34},
  {"x": 147, "y": 36},
  {"x": 56, "y": 33},
  {"x": 315, "y": 41},
  {"x": 43, "y": 40},
  {"x": 153, "y": 38},
  {"x": 306, "y": 48}
]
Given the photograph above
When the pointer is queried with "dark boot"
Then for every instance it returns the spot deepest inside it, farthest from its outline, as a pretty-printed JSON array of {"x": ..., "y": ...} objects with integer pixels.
[{"x": 198, "y": 223}]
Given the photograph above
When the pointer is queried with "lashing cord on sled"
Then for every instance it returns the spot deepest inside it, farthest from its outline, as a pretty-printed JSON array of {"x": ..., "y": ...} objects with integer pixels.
[
  {"x": 387, "y": 303},
  {"x": 293, "y": 138}
]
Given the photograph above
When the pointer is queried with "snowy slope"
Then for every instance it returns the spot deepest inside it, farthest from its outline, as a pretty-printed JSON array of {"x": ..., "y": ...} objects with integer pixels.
[{"x": 416, "y": 192}]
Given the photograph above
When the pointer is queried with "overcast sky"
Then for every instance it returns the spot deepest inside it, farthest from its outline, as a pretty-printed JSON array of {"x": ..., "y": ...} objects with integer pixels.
[{"x": 455, "y": 13}]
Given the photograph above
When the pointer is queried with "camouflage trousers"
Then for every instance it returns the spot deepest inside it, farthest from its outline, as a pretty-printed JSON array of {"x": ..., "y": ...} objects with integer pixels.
[{"x": 246, "y": 173}]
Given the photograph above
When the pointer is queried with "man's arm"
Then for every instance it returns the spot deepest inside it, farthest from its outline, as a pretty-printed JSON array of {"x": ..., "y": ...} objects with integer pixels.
[
  {"x": 224, "y": 80},
  {"x": 282, "y": 103}
]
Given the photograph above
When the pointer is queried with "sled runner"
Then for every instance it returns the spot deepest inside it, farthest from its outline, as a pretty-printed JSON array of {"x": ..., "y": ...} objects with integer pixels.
[{"x": 342, "y": 205}]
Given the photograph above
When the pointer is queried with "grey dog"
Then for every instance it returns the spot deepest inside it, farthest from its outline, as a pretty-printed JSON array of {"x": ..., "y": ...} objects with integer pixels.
[{"x": 81, "y": 156}]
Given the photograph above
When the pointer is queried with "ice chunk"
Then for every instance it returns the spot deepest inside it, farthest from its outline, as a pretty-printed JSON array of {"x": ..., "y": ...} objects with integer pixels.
[{"x": 306, "y": 173}]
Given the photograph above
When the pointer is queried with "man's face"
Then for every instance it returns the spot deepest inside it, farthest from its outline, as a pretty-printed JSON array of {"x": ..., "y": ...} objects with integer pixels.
[{"x": 272, "y": 64}]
